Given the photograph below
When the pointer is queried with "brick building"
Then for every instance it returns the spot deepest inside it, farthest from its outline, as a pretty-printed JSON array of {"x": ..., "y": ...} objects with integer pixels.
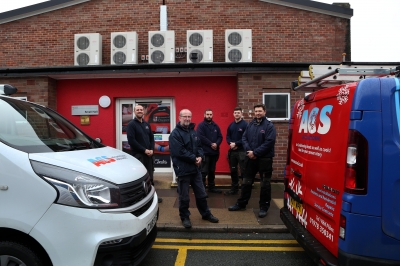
[{"x": 38, "y": 50}]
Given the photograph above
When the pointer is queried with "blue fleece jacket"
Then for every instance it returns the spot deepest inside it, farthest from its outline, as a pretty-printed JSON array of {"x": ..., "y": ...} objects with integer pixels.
[
  {"x": 260, "y": 137},
  {"x": 235, "y": 132},
  {"x": 209, "y": 133}
]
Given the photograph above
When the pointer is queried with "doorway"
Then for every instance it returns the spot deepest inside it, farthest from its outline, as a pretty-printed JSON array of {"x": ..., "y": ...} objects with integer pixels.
[{"x": 160, "y": 114}]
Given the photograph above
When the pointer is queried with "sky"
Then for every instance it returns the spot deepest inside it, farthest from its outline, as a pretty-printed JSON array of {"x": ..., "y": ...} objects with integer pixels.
[{"x": 373, "y": 27}]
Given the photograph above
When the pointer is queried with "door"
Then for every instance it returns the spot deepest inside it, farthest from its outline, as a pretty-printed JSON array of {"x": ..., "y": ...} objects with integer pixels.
[{"x": 160, "y": 114}]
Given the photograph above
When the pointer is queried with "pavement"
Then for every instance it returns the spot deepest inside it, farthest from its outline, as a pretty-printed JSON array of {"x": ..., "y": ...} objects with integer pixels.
[{"x": 246, "y": 221}]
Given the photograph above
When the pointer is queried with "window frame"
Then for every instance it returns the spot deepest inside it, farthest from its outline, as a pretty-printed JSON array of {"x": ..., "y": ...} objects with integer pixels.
[{"x": 288, "y": 105}]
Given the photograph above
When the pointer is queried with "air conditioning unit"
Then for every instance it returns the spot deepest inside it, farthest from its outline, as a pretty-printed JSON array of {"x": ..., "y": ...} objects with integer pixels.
[
  {"x": 161, "y": 47},
  {"x": 199, "y": 46},
  {"x": 238, "y": 46},
  {"x": 88, "y": 49},
  {"x": 124, "y": 48}
]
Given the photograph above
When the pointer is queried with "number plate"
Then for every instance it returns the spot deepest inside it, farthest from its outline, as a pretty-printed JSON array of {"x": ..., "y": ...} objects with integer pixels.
[
  {"x": 296, "y": 205},
  {"x": 151, "y": 224}
]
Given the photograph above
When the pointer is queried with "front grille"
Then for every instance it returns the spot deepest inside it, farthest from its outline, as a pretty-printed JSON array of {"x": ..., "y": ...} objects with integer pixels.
[
  {"x": 131, "y": 252},
  {"x": 140, "y": 211},
  {"x": 134, "y": 192}
]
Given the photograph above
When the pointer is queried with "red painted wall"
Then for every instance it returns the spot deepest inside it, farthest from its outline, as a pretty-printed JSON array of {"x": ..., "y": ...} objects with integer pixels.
[{"x": 196, "y": 94}]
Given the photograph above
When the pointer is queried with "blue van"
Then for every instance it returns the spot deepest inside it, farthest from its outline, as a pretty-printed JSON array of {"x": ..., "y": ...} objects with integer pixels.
[{"x": 342, "y": 184}]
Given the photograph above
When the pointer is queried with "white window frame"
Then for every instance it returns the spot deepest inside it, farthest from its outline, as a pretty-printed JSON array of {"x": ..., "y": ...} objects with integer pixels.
[{"x": 287, "y": 109}]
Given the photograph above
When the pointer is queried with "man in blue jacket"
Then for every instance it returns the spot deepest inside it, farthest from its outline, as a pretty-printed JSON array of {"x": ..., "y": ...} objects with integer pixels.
[
  {"x": 236, "y": 152},
  {"x": 141, "y": 141},
  {"x": 259, "y": 144},
  {"x": 187, "y": 155},
  {"x": 211, "y": 138}
]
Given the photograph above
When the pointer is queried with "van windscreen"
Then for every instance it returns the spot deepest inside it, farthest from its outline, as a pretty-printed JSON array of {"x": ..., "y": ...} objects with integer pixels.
[{"x": 35, "y": 129}]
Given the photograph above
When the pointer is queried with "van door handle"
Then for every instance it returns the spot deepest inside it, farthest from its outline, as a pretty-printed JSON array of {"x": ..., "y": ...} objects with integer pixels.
[
  {"x": 3, "y": 187},
  {"x": 298, "y": 174}
]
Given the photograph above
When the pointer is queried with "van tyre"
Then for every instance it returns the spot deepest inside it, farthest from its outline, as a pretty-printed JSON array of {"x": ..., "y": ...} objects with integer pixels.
[{"x": 12, "y": 253}]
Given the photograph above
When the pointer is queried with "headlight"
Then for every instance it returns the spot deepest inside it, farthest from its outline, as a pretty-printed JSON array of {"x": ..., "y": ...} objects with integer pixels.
[{"x": 78, "y": 189}]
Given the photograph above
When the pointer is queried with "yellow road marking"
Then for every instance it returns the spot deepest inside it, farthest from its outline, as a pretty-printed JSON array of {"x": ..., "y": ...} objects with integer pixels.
[
  {"x": 222, "y": 241},
  {"x": 182, "y": 250},
  {"x": 181, "y": 258},
  {"x": 230, "y": 248}
]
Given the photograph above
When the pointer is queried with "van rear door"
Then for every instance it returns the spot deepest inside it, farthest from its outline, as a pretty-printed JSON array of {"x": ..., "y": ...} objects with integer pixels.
[
  {"x": 391, "y": 158},
  {"x": 317, "y": 161}
]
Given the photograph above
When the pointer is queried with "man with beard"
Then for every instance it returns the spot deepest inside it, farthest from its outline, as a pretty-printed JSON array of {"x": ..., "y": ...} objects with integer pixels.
[
  {"x": 258, "y": 142},
  {"x": 236, "y": 152},
  {"x": 141, "y": 140},
  {"x": 211, "y": 138},
  {"x": 187, "y": 155}
]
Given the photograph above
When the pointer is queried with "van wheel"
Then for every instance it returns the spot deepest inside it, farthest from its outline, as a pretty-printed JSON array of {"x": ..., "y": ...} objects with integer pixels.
[{"x": 15, "y": 254}]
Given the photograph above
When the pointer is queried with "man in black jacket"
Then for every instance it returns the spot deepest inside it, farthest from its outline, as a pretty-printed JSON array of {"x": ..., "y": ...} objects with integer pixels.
[
  {"x": 187, "y": 155},
  {"x": 141, "y": 140},
  {"x": 211, "y": 138},
  {"x": 236, "y": 153},
  {"x": 259, "y": 144}
]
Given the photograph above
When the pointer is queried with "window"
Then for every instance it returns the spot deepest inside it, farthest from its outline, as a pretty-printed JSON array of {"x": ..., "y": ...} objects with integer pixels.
[{"x": 278, "y": 105}]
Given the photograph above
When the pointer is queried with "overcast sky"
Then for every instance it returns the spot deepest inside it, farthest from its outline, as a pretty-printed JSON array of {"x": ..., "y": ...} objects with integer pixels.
[{"x": 374, "y": 27}]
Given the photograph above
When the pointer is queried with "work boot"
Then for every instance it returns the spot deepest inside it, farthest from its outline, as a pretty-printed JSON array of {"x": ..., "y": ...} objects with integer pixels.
[
  {"x": 236, "y": 207},
  {"x": 211, "y": 219},
  {"x": 214, "y": 190},
  {"x": 262, "y": 213},
  {"x": 186, "y": 223},
  {"x": 159, "y": 200},
  {"x": 234, "y": 190}
]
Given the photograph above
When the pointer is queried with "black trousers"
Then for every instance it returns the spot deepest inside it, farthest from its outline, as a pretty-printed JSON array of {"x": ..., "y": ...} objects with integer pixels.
[
  {"x": 208, "y": 169},
  {"x": 147, "y": 162},
  {"x": 236, "y": 158},
  {"x": 195, "y": 181},
  {"x": 264, "y": 167}
]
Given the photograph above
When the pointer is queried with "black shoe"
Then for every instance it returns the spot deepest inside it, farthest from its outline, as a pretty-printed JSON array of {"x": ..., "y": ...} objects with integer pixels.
[
  {"x": 186, "y": 223},
  {"x": 231, "y": 192},
  {"x": 262, "y": 213},
  {"x": 211, "y": 219},
  {"x": 214, "y": 190},
  {"x": 236, "y": 208},
  {"x": 159, "y": 200}
]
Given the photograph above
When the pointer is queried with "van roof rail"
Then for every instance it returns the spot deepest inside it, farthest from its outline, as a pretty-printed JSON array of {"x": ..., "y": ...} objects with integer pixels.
[
  {"x": 6, "y": 89},
  {"x": 323, "y": 76}
]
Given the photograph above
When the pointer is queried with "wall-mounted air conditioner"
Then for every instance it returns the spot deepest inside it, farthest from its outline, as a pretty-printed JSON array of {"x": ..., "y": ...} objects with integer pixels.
[
  {"x": 199, "y": 46},
  {"x": 88, "y": 49},
  {"x": 161, "y": 47},
  {"x": 238, "y": 46},
  {"x": 124, "y": 48}
]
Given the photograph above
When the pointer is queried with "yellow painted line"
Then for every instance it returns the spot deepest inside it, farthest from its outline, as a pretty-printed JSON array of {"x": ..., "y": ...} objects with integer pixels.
[
  {"x": 230, "y": 248},
  {"x": 222, "y": 241},
  {"x": 181, "y": 257}
]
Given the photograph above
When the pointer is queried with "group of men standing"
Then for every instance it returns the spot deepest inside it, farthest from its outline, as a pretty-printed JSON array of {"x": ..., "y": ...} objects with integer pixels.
[{"x": 195, "y": 154}]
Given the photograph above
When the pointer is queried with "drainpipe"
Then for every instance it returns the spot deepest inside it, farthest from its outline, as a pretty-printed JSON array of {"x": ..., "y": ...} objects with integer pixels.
[{"x": 163, "y": 17}]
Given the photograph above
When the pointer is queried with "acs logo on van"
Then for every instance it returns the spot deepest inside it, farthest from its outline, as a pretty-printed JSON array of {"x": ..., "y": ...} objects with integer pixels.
[{"x": 318, "y": 121}]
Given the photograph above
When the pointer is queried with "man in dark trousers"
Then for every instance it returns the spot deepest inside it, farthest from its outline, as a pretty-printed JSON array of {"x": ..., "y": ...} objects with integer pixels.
[
  {"x": 211, "y": 138},
  {"x": 187, "y": 155},
  {"x": 258, "y": 142},
  {"x": 236, "y": 153},
  {"x": 141, "y": 140}
]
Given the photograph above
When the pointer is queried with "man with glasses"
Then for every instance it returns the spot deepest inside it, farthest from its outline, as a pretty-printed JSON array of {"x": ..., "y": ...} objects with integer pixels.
[
  {"x": 211, "y": 138},
  {"x": 187, "y": 155},
  {"x": 258, "y": 142}
]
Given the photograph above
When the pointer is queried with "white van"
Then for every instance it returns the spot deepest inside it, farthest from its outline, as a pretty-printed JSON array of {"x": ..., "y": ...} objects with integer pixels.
[{"x": 66, "y": 199}]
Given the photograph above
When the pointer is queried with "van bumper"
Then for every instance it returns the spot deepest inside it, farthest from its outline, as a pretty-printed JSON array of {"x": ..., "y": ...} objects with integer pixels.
[
  {"x": 86, "y": 237},
  {"x": 310, "y": 244},
  {"x": 347, "y": 259}
]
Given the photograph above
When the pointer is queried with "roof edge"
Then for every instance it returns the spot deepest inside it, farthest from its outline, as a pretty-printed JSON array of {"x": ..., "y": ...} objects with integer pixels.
[
  {"x": 37, "y": 9},
  {"x": 317, "y": 7}
]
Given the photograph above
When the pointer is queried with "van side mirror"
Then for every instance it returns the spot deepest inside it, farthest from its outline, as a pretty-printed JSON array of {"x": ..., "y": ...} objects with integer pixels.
[{"x": 6, "y": 89}]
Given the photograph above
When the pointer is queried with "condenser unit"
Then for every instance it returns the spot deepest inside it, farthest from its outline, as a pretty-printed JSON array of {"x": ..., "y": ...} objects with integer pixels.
[
  {"x": 199, "y": 46},
  {"x": 238, "y": 46},
  {"x": 161, "y": 47},
  {"x": 124, "y": 48},
  {"x": 88, "y": 49}
]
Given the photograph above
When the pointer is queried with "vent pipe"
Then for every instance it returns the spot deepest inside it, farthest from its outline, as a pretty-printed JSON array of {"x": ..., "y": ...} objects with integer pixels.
[{"x": 163, "y": 18}]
